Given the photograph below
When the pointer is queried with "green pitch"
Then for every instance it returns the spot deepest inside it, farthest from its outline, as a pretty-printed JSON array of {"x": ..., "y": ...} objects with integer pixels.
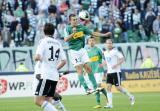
[{"x": 144, "y": 102}]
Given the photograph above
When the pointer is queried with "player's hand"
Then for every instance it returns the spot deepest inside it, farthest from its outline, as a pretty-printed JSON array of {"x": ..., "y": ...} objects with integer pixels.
[
  {"x": 38, "y": 76},
  {"x": 100, "y": 65}
]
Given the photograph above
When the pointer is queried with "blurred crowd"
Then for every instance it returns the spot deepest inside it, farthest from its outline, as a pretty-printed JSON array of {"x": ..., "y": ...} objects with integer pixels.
[{"x": 21, "y": 21}]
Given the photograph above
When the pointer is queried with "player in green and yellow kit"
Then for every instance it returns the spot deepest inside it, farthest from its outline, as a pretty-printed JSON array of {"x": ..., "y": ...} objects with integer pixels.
[
  {"x": 95, "y": 54},
  {"x": 75, "y": 36}
]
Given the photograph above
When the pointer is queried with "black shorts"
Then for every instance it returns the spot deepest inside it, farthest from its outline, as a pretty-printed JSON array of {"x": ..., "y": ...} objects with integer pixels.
[
  {"x": 114, "y": 78},
  {"x": 46, "y": 88},
  {"x": 57, "y": 96}
]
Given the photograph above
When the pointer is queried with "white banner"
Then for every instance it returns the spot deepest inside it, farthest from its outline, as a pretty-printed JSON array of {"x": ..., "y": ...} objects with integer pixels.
[
  {"x": 16, "y": 85},
  {"x": 134, "y": 54},
  {"x": 22, "y": 85}
]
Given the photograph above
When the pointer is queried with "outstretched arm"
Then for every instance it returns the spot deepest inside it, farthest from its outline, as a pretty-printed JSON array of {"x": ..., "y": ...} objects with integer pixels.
[
  {"x": 97, "y": 34},
  {"x": 69, "y": 37}
]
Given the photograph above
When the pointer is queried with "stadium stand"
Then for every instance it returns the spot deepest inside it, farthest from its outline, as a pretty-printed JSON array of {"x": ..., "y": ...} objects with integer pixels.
[{"x": 128, "y": 20}]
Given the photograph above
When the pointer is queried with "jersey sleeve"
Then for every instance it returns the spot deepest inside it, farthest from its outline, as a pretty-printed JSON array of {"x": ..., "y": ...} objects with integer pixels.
[
  {"x": 119, "y": 54},
  {"x": 40, "y": 48},
  {"x": 100, "y": 54},
  {"x": 87, "y": 31},
  {"x": 66, "y": 32}
]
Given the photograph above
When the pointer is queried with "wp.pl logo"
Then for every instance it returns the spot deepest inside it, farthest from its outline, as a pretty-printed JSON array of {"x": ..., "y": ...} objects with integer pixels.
[{"x": 3, "y": 86}]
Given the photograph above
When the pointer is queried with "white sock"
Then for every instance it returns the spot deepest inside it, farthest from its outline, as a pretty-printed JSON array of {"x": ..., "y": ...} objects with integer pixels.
[
  {"x": 62, "y": 106},
  {"x": 54, "y": 102},
  {"x": 126, "y": 92},
  {"x": 59, "y": 103},
  {"x": 109, "y": 96},
  {"x": 48, "y": 106}
]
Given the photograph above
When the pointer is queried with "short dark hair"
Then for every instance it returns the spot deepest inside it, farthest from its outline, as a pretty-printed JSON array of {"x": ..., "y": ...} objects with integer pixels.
[
  {"x": 92, "y": 37},
  {"x": 71, "y": 15},
  {"x": 49, "y": 29},
  {"x": 52, "y": 9},
  {"x": 109, "y": 39}
]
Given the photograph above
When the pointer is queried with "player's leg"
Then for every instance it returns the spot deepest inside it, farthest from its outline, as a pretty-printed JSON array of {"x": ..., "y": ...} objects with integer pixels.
[
  {"x": 117, "y": 81},
  {"x": 88, "y": 82},
  {"x": 76, "y": 61},
  {"x": 57, "y": 101},
  {"x": 40, "y": 98},
  {"x": 85, "y": 60},
  {"x": 109, "y": 93},
  {"x": 99, "y": 78},
  {"x": 79, "y": 69},
  {"x": 90, "y": 75},
  {"x": 97, "y": 94}
]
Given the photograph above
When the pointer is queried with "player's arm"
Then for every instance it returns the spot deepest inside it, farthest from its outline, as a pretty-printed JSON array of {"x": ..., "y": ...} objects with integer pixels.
[
  {"x": 39, "y": 51},
  {"x": 61, "y": 64},
  {"x": 120, "y": 60},
  {"x": 37, "y": 57},
  {"x": 62, "y": 58},
  {"x": 98, "y": 34},
  {"x": 103, "y": 64},
  {"x": 69, "y": 36}
]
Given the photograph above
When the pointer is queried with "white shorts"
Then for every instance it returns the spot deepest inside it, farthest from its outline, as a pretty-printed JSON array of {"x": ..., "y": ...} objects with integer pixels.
[
  {"x": 99, "y": 77},
  {"x": 78, "y": 57}
]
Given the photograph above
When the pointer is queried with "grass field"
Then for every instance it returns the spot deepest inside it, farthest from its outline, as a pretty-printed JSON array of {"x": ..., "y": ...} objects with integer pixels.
[{"x": 144, "y": 102}]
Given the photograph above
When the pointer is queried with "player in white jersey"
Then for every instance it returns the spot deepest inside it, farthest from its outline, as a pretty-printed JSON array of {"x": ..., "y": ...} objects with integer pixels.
[
  {"x": 113, "y": 60},
  {"x": 57, "y": 97},
  {"x": 51, "y": 56}
]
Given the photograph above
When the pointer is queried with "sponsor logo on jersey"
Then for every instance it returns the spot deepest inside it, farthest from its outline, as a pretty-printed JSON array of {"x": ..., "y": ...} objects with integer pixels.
[
  {"x": 78, "y": 35},
  {"x": 94, "y": 59}
]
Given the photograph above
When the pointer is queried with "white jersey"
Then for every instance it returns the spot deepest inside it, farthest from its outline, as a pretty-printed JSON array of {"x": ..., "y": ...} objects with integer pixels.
[
  {"x": 111, "y": 58},
  {"x": 51, "y": 52}
]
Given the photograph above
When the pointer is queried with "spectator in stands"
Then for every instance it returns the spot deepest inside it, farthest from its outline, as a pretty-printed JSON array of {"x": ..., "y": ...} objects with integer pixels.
[
  {"x": 53, "y": 18},
  {"x": 103, "y": 11},
  {"x": 116, "y": 14},
  {"x": 117, "y": 32},
  {"x": 1, "y": 22},
  {"x": 136, "y": 18},
  {"x": 18, "y": 36},
  {"x": 85, "y": 4},
  {"x": 43, "y": 5},
  {"x": 19, "y": 12},
  {"x": 24, "y": 23},
  {"x": 148, "y": 63},
  {"x": 32, "y": 19},
  {"x": 22, "y": 68},
  {"x": 33, "y": 5},
  {"x": 6, "y": 36},
  {"x": 31, "y": 33},
  {"x": 149, "y": 18},
  {"x": 1, "y": 42},
  {"x": 142, "y": 33},
  {"x": 128, "y": 18},
  {"x": 156, "y": 27}
]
